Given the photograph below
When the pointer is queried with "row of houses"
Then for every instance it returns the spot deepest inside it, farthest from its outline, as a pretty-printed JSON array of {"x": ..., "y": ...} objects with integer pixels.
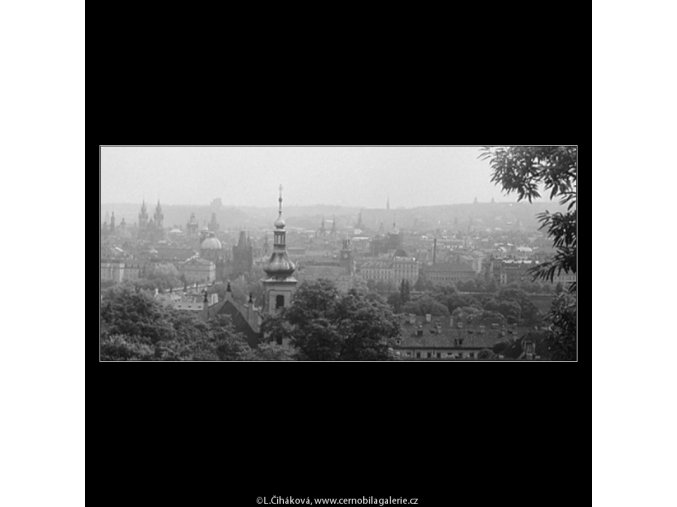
[{"x": 440, "y": 338}]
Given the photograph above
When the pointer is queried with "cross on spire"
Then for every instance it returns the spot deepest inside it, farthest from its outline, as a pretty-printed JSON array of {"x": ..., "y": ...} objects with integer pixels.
[{"x": 280, "y": 200}]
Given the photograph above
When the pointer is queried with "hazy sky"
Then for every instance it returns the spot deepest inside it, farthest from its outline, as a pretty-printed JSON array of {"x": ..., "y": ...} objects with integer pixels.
[{"x": 249, "y": 176}]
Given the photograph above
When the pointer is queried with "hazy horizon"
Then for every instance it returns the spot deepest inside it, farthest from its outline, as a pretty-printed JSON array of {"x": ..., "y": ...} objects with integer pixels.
[{"x": 357, "y": 177}]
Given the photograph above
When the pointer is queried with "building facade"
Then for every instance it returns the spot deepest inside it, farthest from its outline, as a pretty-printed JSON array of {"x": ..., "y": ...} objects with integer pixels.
[
  {"x": 392, "y": 270},
  {"x": 447, "y": 273}
]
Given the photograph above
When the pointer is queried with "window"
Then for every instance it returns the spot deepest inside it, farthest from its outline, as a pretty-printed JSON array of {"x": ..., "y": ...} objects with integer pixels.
[{"x": 279, "y": 301}]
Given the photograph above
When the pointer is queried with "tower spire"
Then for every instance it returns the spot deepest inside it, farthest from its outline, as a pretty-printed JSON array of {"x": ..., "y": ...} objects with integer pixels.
[{"x": 280, "y": 285}]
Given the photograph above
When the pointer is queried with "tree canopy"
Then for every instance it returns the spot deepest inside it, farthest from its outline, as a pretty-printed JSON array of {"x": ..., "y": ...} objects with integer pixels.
[
  {"x": 324, "y": 325},
  {"x": 524, "y": 169},
  {"x": 134, "y": 326}
]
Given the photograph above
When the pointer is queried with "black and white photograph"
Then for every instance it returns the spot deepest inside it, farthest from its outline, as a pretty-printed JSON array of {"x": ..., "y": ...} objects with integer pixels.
[
  {"x": 337, "y": 258},
  {"x": 338, "y": 253}
]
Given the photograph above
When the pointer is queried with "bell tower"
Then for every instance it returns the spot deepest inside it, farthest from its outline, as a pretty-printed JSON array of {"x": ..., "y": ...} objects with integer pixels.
[{"x": 280, "y": 285}]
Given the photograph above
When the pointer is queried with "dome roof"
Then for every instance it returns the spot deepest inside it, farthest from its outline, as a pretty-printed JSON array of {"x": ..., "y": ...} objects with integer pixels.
[
  {"x": 211, "y": 244},
  {"x": 279, "y": 223}
]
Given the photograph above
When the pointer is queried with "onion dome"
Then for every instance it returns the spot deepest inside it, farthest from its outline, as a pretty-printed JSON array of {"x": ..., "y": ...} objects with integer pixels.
[{"x": 279, "y": 266}]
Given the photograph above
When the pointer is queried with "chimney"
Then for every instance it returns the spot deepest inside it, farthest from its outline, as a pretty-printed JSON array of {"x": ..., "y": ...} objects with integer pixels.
[{"x": 229, "y": 293}]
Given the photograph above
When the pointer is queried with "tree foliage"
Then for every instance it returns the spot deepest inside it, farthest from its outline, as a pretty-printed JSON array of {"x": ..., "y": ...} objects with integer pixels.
[
  {"x": 426, "y": 305},
  {"x": 524, "y": 169},
  {"x": 405, "y": 291},
  {"x": 324, "y": 325},
  {"x": 134, "y": 326},
  {"x": 561, "y": 343}
]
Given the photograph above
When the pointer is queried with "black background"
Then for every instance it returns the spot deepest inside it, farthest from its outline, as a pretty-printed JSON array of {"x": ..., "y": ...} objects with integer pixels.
[{"x": 447, "y": 433}]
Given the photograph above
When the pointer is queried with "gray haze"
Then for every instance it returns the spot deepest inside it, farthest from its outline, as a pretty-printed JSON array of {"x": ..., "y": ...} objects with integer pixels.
[{"x": 344, "y": 176}]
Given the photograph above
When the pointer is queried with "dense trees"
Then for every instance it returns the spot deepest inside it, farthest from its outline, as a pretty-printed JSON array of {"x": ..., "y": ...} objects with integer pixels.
[
  {"x": 426, "y": 305},
  {"x": 405, "y": 291},
  {"x": 511, "y": 306},
  {"x": 134, "y": 326},
  {"x": 323, "y": 324},
  {"x": 561, "y": 343}
]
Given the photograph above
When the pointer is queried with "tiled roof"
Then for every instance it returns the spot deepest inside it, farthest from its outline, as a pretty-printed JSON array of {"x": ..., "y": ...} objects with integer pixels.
[
  {"x": 448, "y": 340},
  {"x": 238, "y": 314},
  {"x": 439, "y": 333}
]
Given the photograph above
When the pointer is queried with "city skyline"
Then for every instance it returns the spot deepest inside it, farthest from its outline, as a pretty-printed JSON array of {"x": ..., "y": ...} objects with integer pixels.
[{"x": 358, "y": 177}]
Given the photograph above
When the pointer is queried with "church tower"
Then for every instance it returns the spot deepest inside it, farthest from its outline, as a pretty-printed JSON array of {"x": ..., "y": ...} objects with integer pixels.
[
  {"x": 143, "y": 216},
  {"x": 280, "y": 285},
  {"x": 347, "y": 257},
  {"x": 158, "y": 216},
  {"x": 213, "y": 224},
  {"x": 192, "y": 226},
  {"x": 323, "y": 230}
]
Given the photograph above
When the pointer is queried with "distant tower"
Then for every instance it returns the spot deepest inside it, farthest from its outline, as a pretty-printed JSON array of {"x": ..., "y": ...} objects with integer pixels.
[
  {"x": 333, "y": 226},
  {"x": 143, "y": 216},
  {"x": 123, "y": 224},
  {"x": 434, "y": 251},
  {"x": 347, "y": 257},
  {"x": 112, "y": 222},
  {"x": 323, "y": 230},
  {"x": 243, "y": 258},
  {"x": 158, "y": 216},
  {"x": 192, "y": 226},
  {"x": 388, "y": 203},
  {"x": 280, "y": 285},
  {"x": 213, "y": 224},
  {"x": 359, "y": 221},
  {"x": 266, "y": 246}
]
